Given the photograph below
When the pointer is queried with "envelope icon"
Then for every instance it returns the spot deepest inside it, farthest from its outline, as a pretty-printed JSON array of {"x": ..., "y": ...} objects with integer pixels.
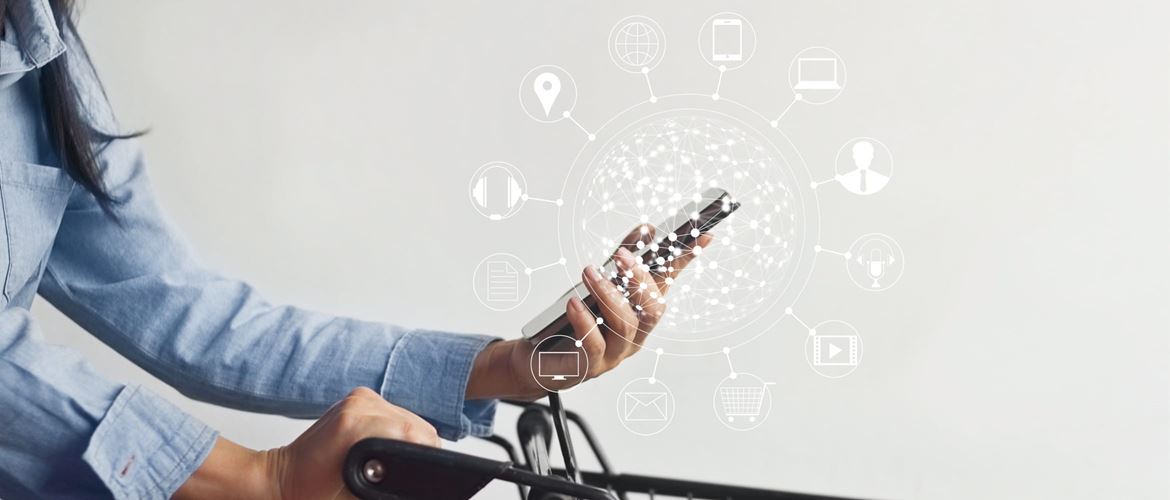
[{"x": 644, "y": 406}]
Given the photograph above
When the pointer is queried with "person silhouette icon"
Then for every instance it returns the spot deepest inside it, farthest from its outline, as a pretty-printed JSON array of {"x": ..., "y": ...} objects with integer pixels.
[{"x": 863, "y": 179}]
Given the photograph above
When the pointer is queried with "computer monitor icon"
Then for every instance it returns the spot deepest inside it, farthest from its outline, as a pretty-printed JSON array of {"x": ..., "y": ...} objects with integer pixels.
[{"x": 558, "y": 365}]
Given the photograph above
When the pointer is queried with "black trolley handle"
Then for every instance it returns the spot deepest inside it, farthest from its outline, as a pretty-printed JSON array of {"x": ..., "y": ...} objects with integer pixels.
[{"x": 387, "y": 469}]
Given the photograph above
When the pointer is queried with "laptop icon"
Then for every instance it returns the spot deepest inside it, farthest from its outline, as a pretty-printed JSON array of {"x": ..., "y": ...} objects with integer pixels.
[{"x": 816, "y": 73}]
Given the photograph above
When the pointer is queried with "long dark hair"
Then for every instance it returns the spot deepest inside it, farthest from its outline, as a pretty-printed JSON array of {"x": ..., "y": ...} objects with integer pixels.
[{"x": 70, "y": 127}]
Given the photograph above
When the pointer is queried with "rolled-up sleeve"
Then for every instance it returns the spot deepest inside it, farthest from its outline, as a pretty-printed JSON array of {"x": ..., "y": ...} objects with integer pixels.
[
  {"x": 65, "y": 431},
  {"x": 135, "y": 284}
]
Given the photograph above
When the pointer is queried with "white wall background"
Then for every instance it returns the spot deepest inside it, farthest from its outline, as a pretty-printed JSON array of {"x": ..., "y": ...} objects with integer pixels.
[{"x": 322, "y": 149}]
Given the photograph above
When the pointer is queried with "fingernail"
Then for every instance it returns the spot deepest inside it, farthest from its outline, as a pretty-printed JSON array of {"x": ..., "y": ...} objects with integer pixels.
[
  {"x": 592, "y": 273},
  {"x": 576, "y": 304},
  {"x": 626, "y": 258}
]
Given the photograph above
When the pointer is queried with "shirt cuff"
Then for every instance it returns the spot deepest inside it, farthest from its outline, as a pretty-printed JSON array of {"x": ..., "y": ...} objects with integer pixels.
[
  {"x": 145, "y": 447},
  {"x": 428, "y": 373}
]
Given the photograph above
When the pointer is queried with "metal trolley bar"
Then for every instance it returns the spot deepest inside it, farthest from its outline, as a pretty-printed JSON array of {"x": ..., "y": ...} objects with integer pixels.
[{"x": 385, "y": 469}]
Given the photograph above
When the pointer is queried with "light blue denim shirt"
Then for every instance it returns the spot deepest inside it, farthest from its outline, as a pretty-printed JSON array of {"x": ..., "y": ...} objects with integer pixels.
[{"x": 65, "y": 430}]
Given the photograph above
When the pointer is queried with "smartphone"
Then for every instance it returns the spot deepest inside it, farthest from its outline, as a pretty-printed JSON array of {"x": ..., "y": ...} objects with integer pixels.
[
  {"x": 694, "y": 219},
  {"x": 726, "y": 40}
]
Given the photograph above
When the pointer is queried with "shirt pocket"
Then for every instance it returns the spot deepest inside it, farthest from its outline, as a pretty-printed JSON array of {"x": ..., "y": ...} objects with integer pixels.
[{"x": 33, "y": 199}]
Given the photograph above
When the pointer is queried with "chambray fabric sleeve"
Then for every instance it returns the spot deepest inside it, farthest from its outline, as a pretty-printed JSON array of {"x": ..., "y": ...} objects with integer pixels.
[
  {"x": 67, "y": 432},
  {"x": 135, "y": 284}
]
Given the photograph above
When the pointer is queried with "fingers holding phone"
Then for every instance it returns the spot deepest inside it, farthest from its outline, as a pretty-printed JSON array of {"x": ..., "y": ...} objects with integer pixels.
[
  {"x": 610, "y": 314},
  {"x": 682, "y": 261},
  {"x": 619, "y": 321}
]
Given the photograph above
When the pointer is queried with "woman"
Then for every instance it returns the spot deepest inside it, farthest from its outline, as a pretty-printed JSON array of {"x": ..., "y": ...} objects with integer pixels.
[{"x": 81, "y": 229}]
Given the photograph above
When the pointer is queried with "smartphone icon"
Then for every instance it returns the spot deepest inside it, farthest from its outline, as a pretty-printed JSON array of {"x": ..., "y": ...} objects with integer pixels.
[{"x": 726, "y": 40}]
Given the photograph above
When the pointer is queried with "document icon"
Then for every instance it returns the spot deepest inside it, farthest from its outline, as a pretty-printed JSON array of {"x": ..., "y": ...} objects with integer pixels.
[
  {"x": 644, "y": 407},
  {"x": 503, "y": 282}
]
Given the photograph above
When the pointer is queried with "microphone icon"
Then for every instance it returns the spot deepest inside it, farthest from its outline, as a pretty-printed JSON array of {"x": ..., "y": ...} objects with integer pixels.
[
  {"x": 877, "y": 266},
  {"x": 876, "y": 262}
]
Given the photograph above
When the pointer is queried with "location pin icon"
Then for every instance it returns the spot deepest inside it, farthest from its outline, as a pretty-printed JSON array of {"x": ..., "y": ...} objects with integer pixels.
[{"x": 547, "y": 86}]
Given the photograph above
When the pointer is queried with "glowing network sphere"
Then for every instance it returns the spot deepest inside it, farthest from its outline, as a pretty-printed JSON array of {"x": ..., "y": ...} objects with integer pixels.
[
  {"x": 655, "y": 167},
  {"x": 637, "y": 44}
]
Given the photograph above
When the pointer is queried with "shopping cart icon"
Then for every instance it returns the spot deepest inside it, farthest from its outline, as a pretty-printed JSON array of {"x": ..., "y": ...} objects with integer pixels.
[{"x": 742, "y": 401}]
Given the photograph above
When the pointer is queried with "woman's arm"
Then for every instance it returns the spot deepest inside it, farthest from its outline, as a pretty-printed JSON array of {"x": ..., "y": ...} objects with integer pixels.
[
  {"x": 135, "y": 284},
  {"x": 66, "y": 431}
]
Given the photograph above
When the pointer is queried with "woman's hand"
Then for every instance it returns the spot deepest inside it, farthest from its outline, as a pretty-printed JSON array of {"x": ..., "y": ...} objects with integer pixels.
[
  {"x": 628, "y": 313},
  {"x": 310, "y": 467}
]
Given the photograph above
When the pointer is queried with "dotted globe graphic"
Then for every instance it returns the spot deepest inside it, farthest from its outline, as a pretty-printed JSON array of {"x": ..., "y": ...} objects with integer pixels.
[
  {"x": 648, "y": 172},
  {"x": 636, "y": 44}
]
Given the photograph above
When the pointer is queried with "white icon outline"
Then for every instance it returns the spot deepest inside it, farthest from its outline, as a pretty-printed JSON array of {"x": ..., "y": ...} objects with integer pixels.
[
  {"x": 655, "y": 403},
  {"x": 817, "y": 94},
  {"x": 828, "y": 357},
  {"x": 805, "y": 64},
  {"x": 720, "y": 52},
  {"x": 823, "y": 361},
  {"x": 742, "y": 401},
  {"x": 556, "y": 111},
  {"x": 558, "y": 377},
  {"x": 847, "y": 179},
  {"x": 501, "y": 291},
  {"x": 861, "y": 255},
  {"x": 708, "y": 40},
  {"x": 653, "y": 28},
  {"x": 645, "y": 424},
  {"x": 566, "y": 341},
  {"x": 515, "y": 188}
]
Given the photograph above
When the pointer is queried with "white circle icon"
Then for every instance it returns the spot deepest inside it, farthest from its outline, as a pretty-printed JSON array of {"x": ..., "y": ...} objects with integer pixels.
[
  {"x": 558, "y": 363},
  {"x": 864, "y": 166},
  {"x": 497, "y": 190},
  {"x": 833, "y": 348},
  {"x": 636, "y": 44},
  {"x": 645, "y": 406},
  {"x": 817, "y": 75},
  {"x": 742, "y": 401},
  {"x": 548, "y": 93},
  {"x": 875, "y": 262},
  {"x": 501, "y": 282},
  {"x": 727, "y": 40}
]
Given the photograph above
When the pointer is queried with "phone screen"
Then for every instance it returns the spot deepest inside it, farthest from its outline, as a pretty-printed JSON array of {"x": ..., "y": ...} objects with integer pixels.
[{"x": 693, "y": 219}]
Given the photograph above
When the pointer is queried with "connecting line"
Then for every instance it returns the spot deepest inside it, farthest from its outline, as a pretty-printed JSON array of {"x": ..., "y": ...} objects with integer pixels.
[
  {"x": 646, "y": 73},
  {"x": 817, "y": 184},
  {"x": 560, "y": 262},
  {"x": 654, "y": 372},
  {"x": 819, "y": 249},
  {"x": 597, "y": 319},
  {"x": 727, "y": 354},
  {"x": 776, "y": 123},
  {"x": 588, "y": 134},
  {"x": 558, "y": 202},
  {"x": 719, "y": 82},
  {"x": 788, "y": 312}
]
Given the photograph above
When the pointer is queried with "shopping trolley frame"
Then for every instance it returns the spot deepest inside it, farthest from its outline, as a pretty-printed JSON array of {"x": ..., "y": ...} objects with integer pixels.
[{"x": 384, "y": 469}]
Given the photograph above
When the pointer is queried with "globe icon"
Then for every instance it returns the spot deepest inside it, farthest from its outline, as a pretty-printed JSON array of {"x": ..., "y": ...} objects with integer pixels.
[
  {"x": 636, "y": 44},
  {"x": 653, "y": 168}
]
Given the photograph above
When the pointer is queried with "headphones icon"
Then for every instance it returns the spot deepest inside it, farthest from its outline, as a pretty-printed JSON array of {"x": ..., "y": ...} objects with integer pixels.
[{"x": 510, "y": 189}]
